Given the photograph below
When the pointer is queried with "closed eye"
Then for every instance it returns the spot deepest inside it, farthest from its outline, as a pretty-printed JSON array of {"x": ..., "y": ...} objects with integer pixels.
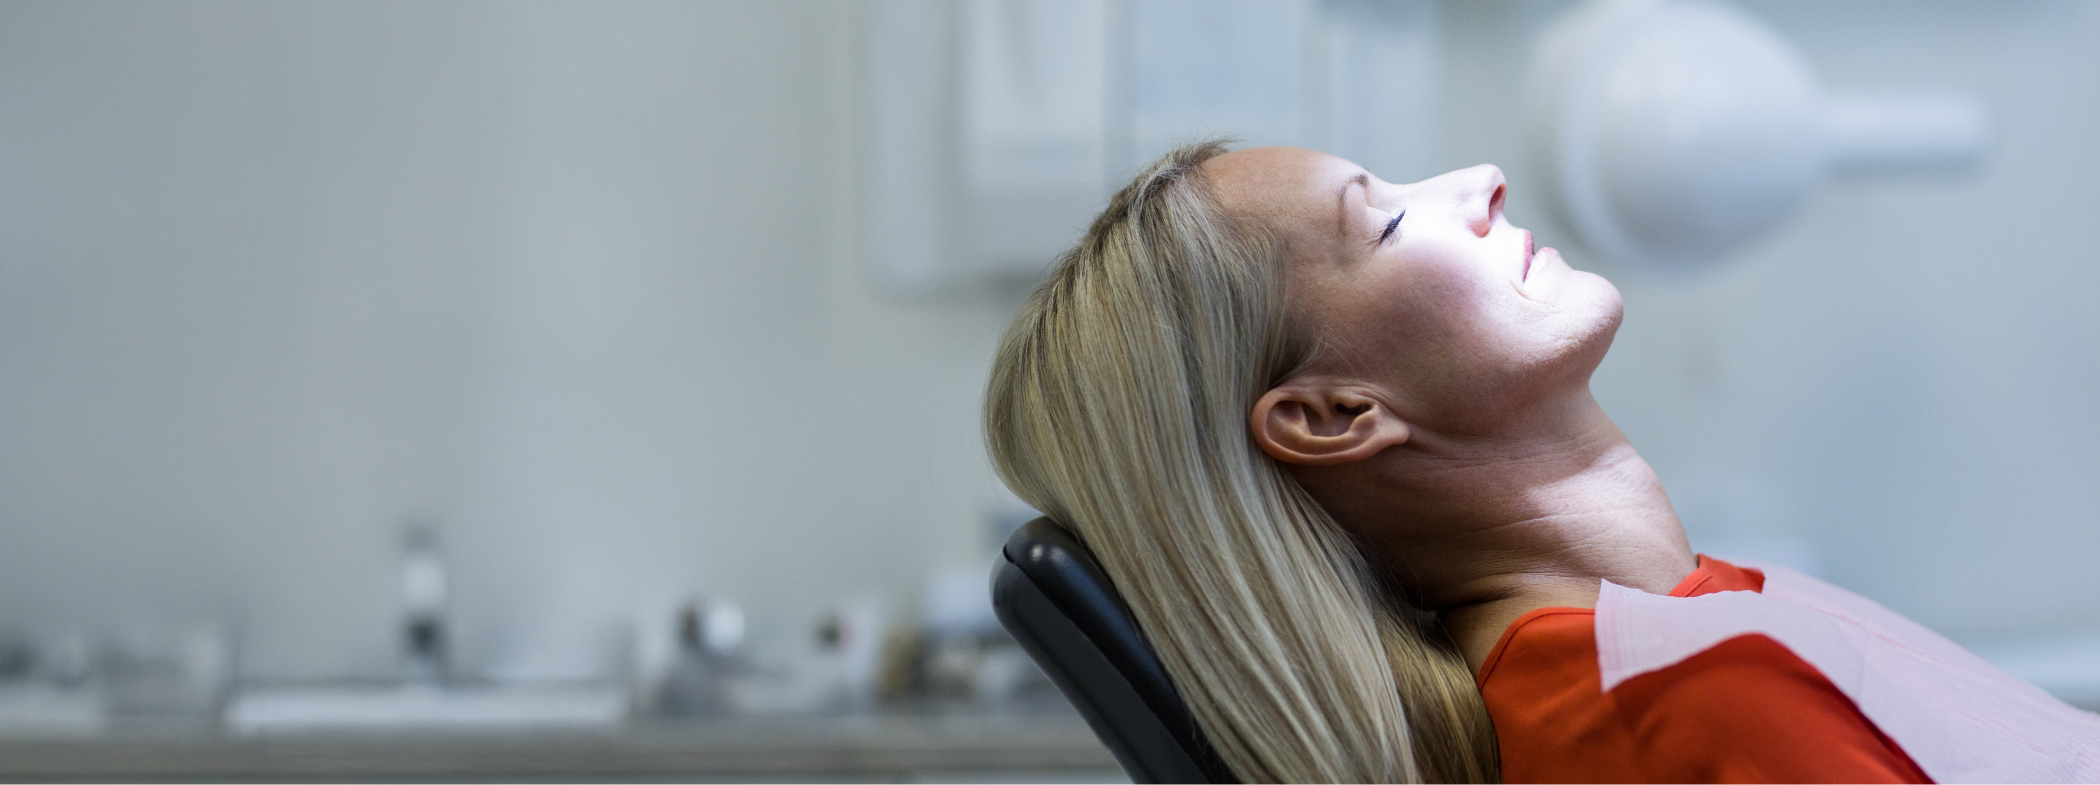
[{"x": 1390, "y": 227}]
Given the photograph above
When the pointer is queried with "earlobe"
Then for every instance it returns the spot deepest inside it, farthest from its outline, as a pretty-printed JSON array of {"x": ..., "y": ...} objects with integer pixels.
[{"x": 1316, "y": 423}]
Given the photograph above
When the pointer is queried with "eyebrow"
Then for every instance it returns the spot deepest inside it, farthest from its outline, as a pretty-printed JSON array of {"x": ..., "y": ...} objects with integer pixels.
[{"x": 1341, "y": 198}]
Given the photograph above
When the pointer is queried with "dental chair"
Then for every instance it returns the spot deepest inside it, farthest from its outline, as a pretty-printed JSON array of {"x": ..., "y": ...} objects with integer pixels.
[{"x": 1052, "y": 595}]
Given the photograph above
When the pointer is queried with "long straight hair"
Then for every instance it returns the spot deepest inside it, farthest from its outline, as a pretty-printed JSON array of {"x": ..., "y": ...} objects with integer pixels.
[{"x": 1118, "y": 405}]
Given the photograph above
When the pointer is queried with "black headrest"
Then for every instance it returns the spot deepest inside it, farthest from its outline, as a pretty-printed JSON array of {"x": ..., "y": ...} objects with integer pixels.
[{"x": 1052, "y": 595}]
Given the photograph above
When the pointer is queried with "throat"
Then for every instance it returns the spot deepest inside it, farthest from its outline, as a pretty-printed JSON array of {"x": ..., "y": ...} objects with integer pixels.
[{"x": 1482, "y": 543}]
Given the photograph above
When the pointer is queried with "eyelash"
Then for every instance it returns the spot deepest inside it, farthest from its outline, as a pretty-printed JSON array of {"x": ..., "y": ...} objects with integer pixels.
[{"x": 1390, "y": 226}]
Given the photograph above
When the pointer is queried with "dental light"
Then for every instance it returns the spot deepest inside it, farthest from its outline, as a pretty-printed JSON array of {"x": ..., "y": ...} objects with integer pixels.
[{"x": 1674, "y": 131}]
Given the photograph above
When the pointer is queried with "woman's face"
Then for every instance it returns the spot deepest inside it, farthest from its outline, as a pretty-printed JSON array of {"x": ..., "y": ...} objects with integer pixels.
[{"x": 1448, "y": 314}]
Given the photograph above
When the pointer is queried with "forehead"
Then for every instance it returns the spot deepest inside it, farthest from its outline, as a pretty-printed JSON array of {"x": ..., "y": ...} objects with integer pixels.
[{"x": 1294, "y": 192}]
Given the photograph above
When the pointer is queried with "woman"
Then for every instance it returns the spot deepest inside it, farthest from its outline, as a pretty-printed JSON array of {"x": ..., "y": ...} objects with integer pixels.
[{"x": 1333, "y": 440}]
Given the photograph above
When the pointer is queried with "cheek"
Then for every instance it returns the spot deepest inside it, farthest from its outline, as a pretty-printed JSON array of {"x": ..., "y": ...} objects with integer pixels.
[
  {"x": 1459, "y": 343},
  {"x": 1431, "y": 327},
  {"x": 1446, "y": 305}
]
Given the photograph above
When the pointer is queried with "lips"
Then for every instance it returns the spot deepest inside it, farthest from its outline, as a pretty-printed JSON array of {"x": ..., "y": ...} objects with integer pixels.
[{"x": 1529, "y": 252}]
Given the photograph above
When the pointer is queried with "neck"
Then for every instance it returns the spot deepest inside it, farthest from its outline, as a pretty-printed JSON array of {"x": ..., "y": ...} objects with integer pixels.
[{"x": 1488, "y": 527}]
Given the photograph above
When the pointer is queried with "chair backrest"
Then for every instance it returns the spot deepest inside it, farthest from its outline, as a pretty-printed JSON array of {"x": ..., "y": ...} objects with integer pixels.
[{"x": 1052, "y": 595}]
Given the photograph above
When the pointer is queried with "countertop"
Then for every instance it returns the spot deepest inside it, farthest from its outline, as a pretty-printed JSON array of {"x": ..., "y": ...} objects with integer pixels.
[{"x": 873, "y": 747}]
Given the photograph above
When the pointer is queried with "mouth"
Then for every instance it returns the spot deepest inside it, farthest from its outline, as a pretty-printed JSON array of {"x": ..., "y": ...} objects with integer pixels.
[{"x": 1530, "y": 251}]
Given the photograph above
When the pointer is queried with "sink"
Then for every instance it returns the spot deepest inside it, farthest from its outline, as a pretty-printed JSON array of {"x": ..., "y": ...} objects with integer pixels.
[{"x": 381, "y": 709}]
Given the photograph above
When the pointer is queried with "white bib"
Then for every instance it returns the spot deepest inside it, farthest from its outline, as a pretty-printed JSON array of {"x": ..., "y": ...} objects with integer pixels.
[{"x": 1960, "y": 718}]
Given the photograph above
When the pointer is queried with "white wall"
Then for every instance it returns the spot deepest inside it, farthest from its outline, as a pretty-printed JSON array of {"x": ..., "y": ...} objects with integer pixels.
[
  {"x": 574, "y": 281},
  {"x": 580, "y": 282}
]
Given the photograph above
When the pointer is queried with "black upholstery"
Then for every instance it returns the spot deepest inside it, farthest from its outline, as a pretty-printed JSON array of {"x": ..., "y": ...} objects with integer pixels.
[{"x": 1052, "y": 595}]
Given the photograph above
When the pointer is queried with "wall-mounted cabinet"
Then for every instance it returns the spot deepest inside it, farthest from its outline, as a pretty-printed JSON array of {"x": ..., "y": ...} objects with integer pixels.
[{"x": 993, "y": 130}]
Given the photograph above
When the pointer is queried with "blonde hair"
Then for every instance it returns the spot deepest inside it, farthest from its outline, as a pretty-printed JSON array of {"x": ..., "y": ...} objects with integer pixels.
[{"x": 1118, "y": 406}]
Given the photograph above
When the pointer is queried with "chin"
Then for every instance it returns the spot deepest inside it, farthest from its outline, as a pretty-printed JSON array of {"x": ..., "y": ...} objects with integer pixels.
[
  {"x": 1601, "y": 311},
  {"x": 1612, "y": 307}
]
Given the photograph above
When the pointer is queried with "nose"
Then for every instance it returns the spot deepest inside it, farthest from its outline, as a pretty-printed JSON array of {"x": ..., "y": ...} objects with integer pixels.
[{"x": 1479, "y": 191}]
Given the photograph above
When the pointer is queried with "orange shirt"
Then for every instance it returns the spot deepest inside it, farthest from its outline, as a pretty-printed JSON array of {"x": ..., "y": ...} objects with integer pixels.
[{"x": 1747, "y": 710}]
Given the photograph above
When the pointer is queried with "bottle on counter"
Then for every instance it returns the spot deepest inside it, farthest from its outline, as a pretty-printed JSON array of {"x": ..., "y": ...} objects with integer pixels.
[
  {"x": 424, "y": 593},
  {"x": 698, "y": 682}
]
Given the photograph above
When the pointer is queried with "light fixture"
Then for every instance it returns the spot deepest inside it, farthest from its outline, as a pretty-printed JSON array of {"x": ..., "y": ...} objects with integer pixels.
[{"x": 1674, "y": 131}]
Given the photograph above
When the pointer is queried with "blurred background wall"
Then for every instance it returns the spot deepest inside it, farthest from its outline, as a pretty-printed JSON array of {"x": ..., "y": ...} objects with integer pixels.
[
  {"x": 586, "y": 286},
  {"x": 574, "y": 282}
]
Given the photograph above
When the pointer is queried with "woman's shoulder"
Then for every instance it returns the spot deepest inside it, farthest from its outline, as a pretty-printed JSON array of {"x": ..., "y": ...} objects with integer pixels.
[{"x": 1748, "y": 709}]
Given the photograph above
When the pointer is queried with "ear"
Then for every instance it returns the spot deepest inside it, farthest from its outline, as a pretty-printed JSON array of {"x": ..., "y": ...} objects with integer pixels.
[{"x": 1323, "y": 422}]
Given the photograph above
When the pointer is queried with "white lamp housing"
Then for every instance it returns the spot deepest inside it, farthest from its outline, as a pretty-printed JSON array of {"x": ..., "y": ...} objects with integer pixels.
[{"x": 1673, "y": 131}]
